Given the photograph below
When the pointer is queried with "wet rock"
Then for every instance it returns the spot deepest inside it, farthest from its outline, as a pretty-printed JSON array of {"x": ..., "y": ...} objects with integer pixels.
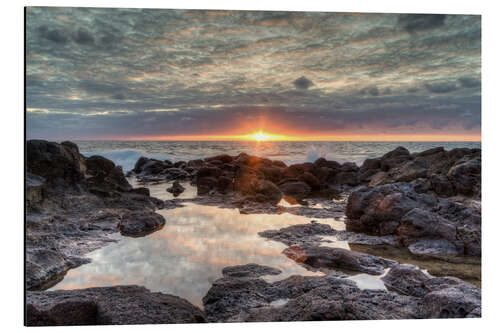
[
  {"x": 442, "y": 186},
  {"x": 180, "y": 164},
  {"x": 346, "y": 178},
  {"x": 431, "y": 151},
  {"x": 196, "y": 164},
  {"x": 438, "y": 248},
  {"x": 224, "y": 158},
  {"x": 45, "y": 267},
  {"x": 138, "y": 224},
  {"x": 98, "y": 164},
  {"x": 378, "y": 210},
  {"x": 337, "y": 258},
  {"x": 107, "y": 180},
  {"x": 407, "y": 279},
  {"x": 224, "y": 184},
  {"x": 296, "y": 170},
  {"x": 466, "y": 177},
  {"x": 299, "y": 234},
  {"x": 118, "y": 305},
  {"x": 451, "y": 298},
  {"x": 408, "y": 171},
  {"x": 295, "y": 189},
  {"x": 272, "y": 173},
  {"x": 34, "y": 189},
  {"x": 208, "y": 172},
  {"x": 141, "y": 191},
  {"x": 57, "y": 163},
  {"x": 176, "y": 188},
  {"x": 371, "y": 164},
  {"x": 378, "y": 178},
  {"x": 394, "y": 158},
  {"x": 233, "y": 299},
  {"x": 175, "y": 173},
  {"x": 419, "y": 223},
  {"x": 205, "y": 185},
  {"x": 250, "y": 270},
  {"x": 322, "y": 162}
]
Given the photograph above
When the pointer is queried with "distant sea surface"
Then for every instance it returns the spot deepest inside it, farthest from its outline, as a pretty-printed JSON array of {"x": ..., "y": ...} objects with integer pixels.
[{"x": 126, "y": 153}]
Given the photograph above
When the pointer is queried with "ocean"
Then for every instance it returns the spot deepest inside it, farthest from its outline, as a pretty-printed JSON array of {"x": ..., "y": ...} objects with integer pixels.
[{"x": 126, "y": 153}]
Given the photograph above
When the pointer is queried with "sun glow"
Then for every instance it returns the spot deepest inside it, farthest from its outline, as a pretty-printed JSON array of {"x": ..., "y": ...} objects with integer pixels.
[{"x": 262, "y": 136}]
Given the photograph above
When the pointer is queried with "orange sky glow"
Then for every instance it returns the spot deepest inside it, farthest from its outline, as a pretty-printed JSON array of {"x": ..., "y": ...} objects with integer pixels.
[{"x": 268, "y": 136}]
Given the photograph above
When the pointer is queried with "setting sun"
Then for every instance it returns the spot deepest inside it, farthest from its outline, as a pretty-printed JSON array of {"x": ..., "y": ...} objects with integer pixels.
[
  {"x": 262, "y": 136},
  {"x": 259, "y": 136}
]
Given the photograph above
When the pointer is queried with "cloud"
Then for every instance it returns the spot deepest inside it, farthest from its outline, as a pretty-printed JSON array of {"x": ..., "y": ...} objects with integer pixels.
[
  {"x": 82, "y": 36},
  {"x": 53, "y": 35},
  {"x": 418, "y": 22},
  {"x": 303, "y": 83},
  {"x": 100, "y": 72},
  {"x": 373, "y": 91},
  {"x": 469, "y": 82},
  {"x": 441, "y": 87}
]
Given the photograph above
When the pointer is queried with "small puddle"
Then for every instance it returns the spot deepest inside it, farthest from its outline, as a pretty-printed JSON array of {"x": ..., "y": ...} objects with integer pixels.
[
  {"x": 189, "y": 253},
  {"x": 468, "y": 269}
]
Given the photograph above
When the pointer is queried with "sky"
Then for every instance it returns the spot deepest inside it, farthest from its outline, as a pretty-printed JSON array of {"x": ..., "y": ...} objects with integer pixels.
[{"x": 132, "y": 74}]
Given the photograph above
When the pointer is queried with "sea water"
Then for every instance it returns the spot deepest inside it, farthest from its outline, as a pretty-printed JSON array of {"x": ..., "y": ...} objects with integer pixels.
[{"x": 126, "y": 153}]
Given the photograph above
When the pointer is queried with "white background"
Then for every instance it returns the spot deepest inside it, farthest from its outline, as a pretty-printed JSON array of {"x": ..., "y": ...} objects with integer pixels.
[{"x": 12, "y": 159}]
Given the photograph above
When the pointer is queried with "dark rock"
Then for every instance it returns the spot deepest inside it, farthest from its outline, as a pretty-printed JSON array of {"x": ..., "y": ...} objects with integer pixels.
[
  {"x": 97, "y": 165},
  {"x": 370, "y": 164},
  {"x": 419, "y": 223},
  {"x": 224, "y": 184},
  {"x": 250, "y": 270},
  {"x": 346, "y": 178},
  {"x": 176, "y": 188},
  {"x": 337, "y": 258},
  {"x": 438, "y": 248},
  {"x": 399, "y": 151},
  {"x": 141, "y": 190},
  {"x": 407, "y": 279},
  {"x": 322, "y": 162},
  {"x": 451, "y": 298},
  {"x": 442, "y": 186},
  {"x": 431, "y": 151},
  {"x": 55, "y": 162},
  {"x": 267, "y": 192},
  {"x": 299, "y": 298},
  {"x": 196, "y": 164},
  {"x": 466, "y": 177},
  {"x": 180, "y": 164},
  {"x": 175, "y": 173},
  {"x": 208, "y": 172},
  {"x": 310, "y": 180},
  {"x": 279, "y": 164},
  {"x": 378, "y": 210},
  {"x": 295, "y": 189},
  {"x": 349, "y": 166},
  {"x": 221, "y": 158},
  {"x": 205, "y": 185},
  {"x": 34, "y": 189},
  {"x": 139, "y": 164},
  {"x": 118, "y": 305},
  {"x": 272, "y": 173},
  {"x": 138, "y": 224}
]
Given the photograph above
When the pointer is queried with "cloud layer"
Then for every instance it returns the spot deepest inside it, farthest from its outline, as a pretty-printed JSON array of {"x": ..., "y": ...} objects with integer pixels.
[{"x": 118, "y": 73}]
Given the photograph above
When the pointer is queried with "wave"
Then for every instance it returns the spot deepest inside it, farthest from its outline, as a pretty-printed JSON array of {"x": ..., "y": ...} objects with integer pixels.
[{"x": 127, "y": 158}]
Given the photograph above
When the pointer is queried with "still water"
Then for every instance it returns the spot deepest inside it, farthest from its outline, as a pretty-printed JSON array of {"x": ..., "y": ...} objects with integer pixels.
[{"x": 188, "y": 254}]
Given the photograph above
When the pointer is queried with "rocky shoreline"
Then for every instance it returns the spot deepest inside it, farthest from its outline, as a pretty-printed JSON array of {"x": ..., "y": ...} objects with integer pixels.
[{"x": 428, "y": 203}]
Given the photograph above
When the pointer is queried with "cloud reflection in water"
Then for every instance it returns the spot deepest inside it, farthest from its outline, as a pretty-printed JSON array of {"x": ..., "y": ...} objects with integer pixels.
[{"x": 188, "y": 254}]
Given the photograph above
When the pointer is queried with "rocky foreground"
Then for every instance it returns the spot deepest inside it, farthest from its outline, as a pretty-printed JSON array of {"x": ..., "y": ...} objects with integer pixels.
[{"x": 428, "y": 202}]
